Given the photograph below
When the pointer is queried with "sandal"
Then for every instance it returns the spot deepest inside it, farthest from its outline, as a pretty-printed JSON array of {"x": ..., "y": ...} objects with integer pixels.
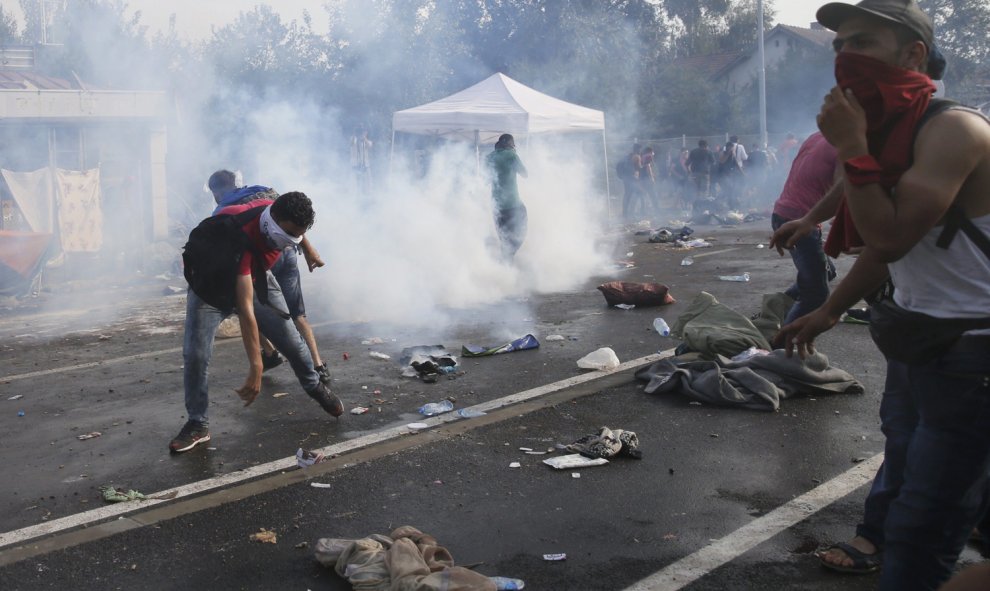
[{"x": 863, "y": 563}]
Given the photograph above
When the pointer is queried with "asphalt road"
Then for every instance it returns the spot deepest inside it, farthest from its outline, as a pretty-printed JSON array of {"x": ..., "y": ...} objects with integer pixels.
[{"x": 114, "y": 366}]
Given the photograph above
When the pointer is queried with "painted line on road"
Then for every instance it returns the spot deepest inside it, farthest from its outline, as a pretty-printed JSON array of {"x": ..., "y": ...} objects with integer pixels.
[
  {"x": 694, "y": 566},
  {"x": 93, "y": 516},
  {"x": 708, "y": 254}
]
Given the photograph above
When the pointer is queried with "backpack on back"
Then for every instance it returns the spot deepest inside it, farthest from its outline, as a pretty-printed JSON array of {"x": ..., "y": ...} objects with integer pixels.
[
  {"x": 727, "y": 162},
  {"x": 624, "y": 168},
  {"x": 212, "y": 256}
]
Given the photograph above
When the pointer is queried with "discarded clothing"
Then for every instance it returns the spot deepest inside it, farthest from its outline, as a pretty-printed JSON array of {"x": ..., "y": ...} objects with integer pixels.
[
  {"x": 757, "y": 383},
  {"x": 111, "y": 494},
  {"x": 636, "y": 294},
  {"x": 607, "y": 443},
  {"x": 772, "y": 313},
  {"x": 520, "y": 344},
  {"x": 427, "y": 362},
  {"x": 405, "y": 560},
  {"x": 714, "y": 329},
  {"x": 664, "y": 235}
]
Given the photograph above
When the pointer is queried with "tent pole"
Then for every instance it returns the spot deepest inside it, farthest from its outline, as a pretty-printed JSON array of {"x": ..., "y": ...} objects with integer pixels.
[
  {"x": 391, "y": 153},
  {"x": 608, "y": 191},
  {"x": 477, "y": 150}
]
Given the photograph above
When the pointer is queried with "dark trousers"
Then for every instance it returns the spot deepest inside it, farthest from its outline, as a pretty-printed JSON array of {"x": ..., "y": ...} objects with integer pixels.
[
  {"x": 511, "y": 225},
  {"x": 814, "y": 271}
]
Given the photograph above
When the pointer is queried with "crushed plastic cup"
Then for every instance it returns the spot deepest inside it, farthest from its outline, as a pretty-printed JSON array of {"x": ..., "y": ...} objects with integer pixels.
[
  {"x": 625, "y": 306},
  {"x": 740, "y": 278},
  {"x": 507, "y": 584},
  {"x": 687, "y": 261}
]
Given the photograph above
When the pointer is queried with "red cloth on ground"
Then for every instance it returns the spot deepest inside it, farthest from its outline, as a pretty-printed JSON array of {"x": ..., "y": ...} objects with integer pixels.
[{"x": 894, "y": 100}]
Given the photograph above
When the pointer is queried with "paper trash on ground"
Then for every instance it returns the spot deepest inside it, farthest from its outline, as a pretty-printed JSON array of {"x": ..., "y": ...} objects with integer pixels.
[{"x": 573, "y": 461}]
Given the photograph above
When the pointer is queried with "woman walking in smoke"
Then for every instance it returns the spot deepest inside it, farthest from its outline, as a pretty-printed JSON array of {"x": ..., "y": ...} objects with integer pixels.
[{"x": 510, "y": 213}]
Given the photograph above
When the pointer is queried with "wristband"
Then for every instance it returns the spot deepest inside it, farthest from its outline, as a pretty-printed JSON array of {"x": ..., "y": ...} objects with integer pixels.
[{"x": 863, "y": 170}]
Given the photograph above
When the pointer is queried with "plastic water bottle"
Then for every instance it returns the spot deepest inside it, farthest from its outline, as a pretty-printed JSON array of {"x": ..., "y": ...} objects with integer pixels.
[
  {"x": 661, "y": 327},
  {"x": 507, "y": 584},
  {"x": 436, "y": 408},
  {"x": 687, "y": 261}
]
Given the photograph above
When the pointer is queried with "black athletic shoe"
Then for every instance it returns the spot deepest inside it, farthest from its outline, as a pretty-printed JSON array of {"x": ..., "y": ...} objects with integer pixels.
[
  {"x": 191, "y": 435},
  {"x": 324, "y": 372},
  {"x": 270, "y": 361},
  {"x": 328, "y": 401}
]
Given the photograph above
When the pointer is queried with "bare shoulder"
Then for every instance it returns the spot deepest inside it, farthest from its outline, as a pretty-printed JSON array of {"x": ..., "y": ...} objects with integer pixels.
[
  {"x": 952, "y": 154},
  {"x": 954, "y": 131}
]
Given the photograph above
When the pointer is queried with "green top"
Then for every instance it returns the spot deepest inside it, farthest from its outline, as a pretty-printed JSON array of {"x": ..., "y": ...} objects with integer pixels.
[{"x": 504, "y": 164}]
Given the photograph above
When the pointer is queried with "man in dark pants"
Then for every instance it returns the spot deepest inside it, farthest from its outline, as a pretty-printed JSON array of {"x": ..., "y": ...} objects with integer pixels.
[{"x": 906, "y": 187}]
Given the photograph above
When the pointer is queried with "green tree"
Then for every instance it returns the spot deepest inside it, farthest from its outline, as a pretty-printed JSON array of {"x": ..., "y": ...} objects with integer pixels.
[{"x": 961, "y": 32}]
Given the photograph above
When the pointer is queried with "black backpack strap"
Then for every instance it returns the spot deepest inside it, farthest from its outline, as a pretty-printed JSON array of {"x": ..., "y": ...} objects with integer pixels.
[{"x": 956, "y": 220}]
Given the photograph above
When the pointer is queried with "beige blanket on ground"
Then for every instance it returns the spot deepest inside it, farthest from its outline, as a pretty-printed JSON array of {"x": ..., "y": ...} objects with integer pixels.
[{"x": 405, "y": 560}]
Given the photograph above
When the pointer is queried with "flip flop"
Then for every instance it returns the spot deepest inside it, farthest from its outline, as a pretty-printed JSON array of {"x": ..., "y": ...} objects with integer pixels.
[{"x": 863, "y": 563}]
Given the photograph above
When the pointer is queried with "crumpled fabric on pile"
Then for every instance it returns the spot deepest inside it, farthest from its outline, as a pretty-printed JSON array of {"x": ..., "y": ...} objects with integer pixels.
[
  {"x": 757, "y": 383},
  {"x": 405, "y": 560},
  {"x": 608, "y": 443},
  {"x": 427, "y": 362},
  {"x": 714, "y": 329},
  {"x": 664, "y": 235},
  {"x": 521, "y": 344}
]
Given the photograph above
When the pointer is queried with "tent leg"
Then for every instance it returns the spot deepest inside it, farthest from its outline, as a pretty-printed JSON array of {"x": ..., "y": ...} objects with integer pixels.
[
  {"x": 608, "y": 191},
  {"x": 391, "y": 153}
]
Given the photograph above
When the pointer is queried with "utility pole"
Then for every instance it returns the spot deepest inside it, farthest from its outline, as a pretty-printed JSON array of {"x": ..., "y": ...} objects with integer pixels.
[{"x": 763, "y": 74}]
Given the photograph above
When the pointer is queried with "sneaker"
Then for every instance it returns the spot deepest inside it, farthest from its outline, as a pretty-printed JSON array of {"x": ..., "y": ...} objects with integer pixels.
[
  {"x": 191, "y": 435},
  {"x": 270, "y": 361},
  {"x": 328, "y": 401},
  {"x": 324, "y": 372}
]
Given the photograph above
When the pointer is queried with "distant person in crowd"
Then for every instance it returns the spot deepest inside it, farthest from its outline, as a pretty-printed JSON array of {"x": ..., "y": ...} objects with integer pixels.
[
  {"x": 786, "y": 149},
  {"x": 648, "y": 178},
  {"x": 701, "y": 164},
  {"x": 285, "y": 269},
  {"x": 758, "y": 167},
  {"x": 629, "y": 169},
  {"x": 282, "y": 223},
  {"x": 680, "y": 177},
  {"x": 731, "y": 163},
  {"x": 917, "y": 199},
  {"x": 814, "y": 173},
  {"x": 510, "y": 213},
  {"x": 361, "y": 159}
]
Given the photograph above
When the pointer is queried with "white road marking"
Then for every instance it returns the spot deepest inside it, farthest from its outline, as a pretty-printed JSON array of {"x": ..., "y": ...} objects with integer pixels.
[
  {"x": 112, "y": 361},
  {"x": 694, "y": 566},
  {"x": 711, "y": 252},
  {"x": 92, "y": 516}
]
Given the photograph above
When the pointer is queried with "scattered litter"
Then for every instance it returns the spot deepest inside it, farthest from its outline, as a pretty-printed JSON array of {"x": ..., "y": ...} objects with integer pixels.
[
  {"x": 264, "y": 536},
  {"x": 750, "y": 353},
  {"x": 92, "y": 435},
  {"x": 16, "y": 397},
  {"x": 373, "y": 341},
  {"x": 552, "y": 557},
  {"x": 636, "y": 294},
  {"x": 173, "y": 290},
  {"x": 603, "y": 359},
  {"x": 507, "y": 584},
  {"x": 571, "y": 461},
  {"x": 470, "y": 413},
  {"x": 629, "y": 254},
  {"x": 607, "y": 443},
  {"x": 320, "y": 485},
  {"x": 377, "y": 355},
  {"x": 301, "y": 546},
  {"x": 554, "y": 337},
  {"x": 687, "y": 261},
  {"x": 740, "y": 278},
  {"x": 660, "y": 325},
  {"x": 525, "y": 449},
  {"x": 436, "y": 408},
  {"x": 696, "y": 243},
  {"x": 359, "y": 410},
  {"x": 575, "y": 475},
  {"x": 713, "y": 435},
  {"x": 694, "y": 403},
  {"x": 859, "y": 459},
  {"x": 111, "y": 494},
  {"x": 536, "y": 453},
  {"x": 427, "y": 362},
  {"x": 20, "y": 413},
  {"x": 346, "y": 356},
  {"x": 279, "y": 394},
  {"x": 624, "y": 265},
  {"x": 515, "y": 465},
  {"x": 760, "y": 246},
  {"x": 306, "y": 458},
  {"x": 625, "y": 306},
  {"x": 417, "y": 426},
  {"x": 521, "y": 344}
]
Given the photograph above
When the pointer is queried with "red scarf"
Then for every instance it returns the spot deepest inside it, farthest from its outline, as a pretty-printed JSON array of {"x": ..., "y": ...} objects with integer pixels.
[{"x": 894, "y": 100}]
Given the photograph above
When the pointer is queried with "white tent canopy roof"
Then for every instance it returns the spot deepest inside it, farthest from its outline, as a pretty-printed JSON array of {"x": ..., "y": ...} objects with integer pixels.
[{"x": 495, "y": 106}]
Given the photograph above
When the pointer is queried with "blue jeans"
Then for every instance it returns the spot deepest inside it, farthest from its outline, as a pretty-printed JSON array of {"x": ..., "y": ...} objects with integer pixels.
[
  {"x": 286, "y": 272},
  {"x": 814, "y": 271},
  {"x": 202, "y": 321},
  {"x": 932, "y": 488}
]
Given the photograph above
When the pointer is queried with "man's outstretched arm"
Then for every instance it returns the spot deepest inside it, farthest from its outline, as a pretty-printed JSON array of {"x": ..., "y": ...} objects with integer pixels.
[{"x": 244, "y": 297}]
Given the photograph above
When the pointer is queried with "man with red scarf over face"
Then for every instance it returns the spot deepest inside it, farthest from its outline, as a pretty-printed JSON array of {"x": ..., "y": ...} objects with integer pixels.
[{"x": 900, "y": 181}]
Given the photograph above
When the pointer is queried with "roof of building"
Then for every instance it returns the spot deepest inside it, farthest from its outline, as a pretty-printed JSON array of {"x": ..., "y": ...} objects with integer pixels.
[
  {"x": 821, "y": 37},
  {"x": 710, "y": 66},
  {"x": 27, "y": 80}
]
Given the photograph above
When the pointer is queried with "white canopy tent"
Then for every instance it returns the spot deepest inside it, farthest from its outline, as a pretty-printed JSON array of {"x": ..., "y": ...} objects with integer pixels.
[{"x": 497, "y": 105}]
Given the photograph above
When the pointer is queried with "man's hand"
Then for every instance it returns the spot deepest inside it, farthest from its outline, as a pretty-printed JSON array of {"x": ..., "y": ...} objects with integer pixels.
[
  {"x": 789, "y": 233},
  {"x": 801, "y": 333},
  {"x": 843, "y": 123},
  {"x": 311, "y": 255},
  {"x": 252, "y": 386}
]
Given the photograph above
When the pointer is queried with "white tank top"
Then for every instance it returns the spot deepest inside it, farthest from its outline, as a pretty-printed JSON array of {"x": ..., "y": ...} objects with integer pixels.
[{"x": 949, "y": 282}]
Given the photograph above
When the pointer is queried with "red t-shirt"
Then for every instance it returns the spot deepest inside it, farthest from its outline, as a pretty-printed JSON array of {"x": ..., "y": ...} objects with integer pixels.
[
  {"x": 812, "y": 175},
  {"x": 253, "y": 231}
]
